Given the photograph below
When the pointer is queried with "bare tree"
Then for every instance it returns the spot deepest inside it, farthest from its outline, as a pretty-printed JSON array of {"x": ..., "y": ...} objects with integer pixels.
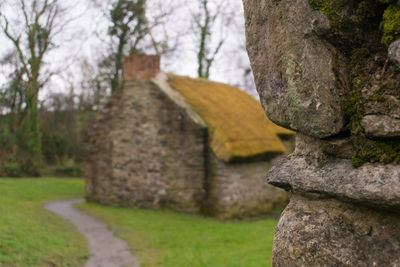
[
  {"x": 205, "y": 20},
  {"x": 94, "y": 85},
  {"x": 31, "y": 33}
]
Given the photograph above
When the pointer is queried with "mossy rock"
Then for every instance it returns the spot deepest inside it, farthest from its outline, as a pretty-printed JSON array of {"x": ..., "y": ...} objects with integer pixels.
[
  {"x": 362, "y": 31},
  {"x": 391, "y": 23}
]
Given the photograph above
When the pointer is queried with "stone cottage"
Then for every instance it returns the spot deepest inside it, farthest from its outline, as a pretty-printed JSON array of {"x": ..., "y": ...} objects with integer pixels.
[{"x": 192, "y": 145}]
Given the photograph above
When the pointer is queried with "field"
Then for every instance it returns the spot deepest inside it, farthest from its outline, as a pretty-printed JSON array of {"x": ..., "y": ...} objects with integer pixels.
[
  {"x": 164, "y": 238},
  {"x": 31, "y": 236}
]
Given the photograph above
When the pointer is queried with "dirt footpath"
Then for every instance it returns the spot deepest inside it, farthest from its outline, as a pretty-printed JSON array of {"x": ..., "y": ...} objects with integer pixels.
[{"x": 105, "y": 249}]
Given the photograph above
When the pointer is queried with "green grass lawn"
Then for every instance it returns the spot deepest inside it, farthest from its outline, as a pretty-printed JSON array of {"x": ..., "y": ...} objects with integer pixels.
[
  {"x": 165, "y": 238},
  {"x": 32, "y": 236}
]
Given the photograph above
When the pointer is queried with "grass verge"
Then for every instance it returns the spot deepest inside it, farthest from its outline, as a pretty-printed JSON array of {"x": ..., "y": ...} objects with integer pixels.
[
  {"x": 165, "y": 238},
  {"x": 32, "y": 236}
]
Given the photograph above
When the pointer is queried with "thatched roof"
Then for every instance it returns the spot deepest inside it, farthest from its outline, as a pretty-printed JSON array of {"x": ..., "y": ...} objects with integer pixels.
[{"x": 237, "y": 125}]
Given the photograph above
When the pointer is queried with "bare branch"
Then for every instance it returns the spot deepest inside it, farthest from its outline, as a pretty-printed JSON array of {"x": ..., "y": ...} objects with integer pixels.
[
  {"x": 25, "y": 13},
  {"x": 16, "y": 42},
  {"x": 212, "y": 58}
]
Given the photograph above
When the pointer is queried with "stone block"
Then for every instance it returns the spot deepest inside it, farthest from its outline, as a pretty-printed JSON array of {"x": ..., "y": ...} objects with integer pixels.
[
  {"x": 296, "y": 72},
  {"x": 316, "y": 231},
  {"x": 381, "y": 126},
  {"x": 394, "y": 52}
]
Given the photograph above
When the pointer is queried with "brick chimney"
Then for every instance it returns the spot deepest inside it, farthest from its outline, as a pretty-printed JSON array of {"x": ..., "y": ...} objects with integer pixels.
[{"x": 140, "y": 67}]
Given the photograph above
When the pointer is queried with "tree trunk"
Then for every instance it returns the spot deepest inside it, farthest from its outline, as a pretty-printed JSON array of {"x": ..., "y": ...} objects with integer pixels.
[{"x": 34, "y": 142}]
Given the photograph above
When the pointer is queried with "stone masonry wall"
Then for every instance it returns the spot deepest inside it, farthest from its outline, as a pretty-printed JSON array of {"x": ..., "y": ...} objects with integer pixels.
[
  {"x": 239, "y": 190},
  {"x": 146, "y": 152}
]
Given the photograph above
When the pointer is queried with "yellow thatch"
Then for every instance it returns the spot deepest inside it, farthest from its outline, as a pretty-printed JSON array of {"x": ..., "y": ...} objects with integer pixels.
[{"x": 237, "y": 124}]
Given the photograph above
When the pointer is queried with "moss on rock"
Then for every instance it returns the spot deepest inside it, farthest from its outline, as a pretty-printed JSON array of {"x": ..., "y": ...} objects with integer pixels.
[
  {"x": 391, "y": 24},
  {"x": 362, "y": 31}
]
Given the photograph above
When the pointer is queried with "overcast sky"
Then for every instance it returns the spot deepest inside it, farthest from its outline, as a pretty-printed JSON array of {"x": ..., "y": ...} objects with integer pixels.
[{"x": 85, "y": 37}]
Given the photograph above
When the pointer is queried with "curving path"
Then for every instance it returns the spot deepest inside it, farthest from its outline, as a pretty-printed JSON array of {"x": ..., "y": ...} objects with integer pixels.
[{"x": 105, "y": 249}]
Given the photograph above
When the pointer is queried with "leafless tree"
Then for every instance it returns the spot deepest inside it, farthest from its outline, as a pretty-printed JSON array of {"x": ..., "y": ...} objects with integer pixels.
[
  {"x": 209, "y": 44},
  {"x": 94, "y": 86}
]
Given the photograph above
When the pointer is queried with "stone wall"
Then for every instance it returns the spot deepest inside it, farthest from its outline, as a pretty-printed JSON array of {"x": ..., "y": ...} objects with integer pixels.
[
  {"x": 146, "y": 152},
  {"x": 239, "y": 190},
  {"x": 326, "y": 69}
]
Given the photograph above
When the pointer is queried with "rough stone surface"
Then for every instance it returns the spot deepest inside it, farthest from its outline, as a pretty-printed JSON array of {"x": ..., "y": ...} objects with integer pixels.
[
  {"x": 146, "y": 152},
  {"x": 376, "y": 185},
  {"x": 381, "y": 126},
  {"x": 315, "y": 71},
  {"x": 394, "y": 52},
  {"x": 238, "y": 190},
  {"x": 325, "y": 232},
  {"x": 389, "y": 104},
  {"x": 294, "y": 68},
  {"x": 337, "y": 215},
  {"x": 312, "y": 169},
  {"x": 339, "y": 147}
]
